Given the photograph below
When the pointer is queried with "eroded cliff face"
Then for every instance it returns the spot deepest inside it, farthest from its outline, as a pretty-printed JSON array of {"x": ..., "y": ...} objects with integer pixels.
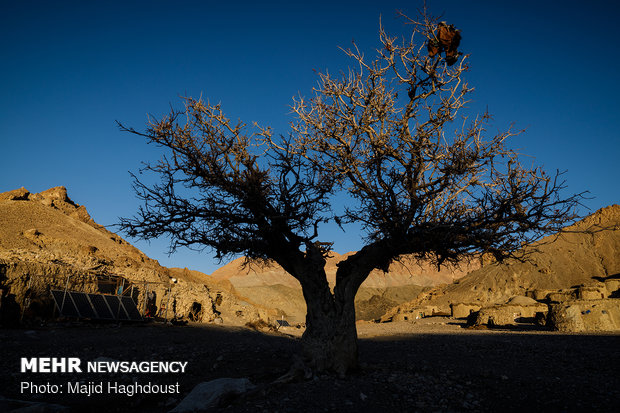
[{"x": 47, "y": 241}]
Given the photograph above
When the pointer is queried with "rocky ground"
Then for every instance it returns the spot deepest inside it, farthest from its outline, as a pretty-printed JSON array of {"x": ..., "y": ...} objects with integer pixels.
[{"x": 429, "y": 365}]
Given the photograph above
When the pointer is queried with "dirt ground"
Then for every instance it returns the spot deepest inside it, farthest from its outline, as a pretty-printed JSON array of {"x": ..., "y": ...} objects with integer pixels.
[{"x": 432, "y": 365}]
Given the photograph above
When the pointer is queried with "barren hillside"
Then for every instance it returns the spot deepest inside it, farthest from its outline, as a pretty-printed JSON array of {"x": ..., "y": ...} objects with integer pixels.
[
  {"x": 582, "y": 254},
  {"x": 49, "y": 241},
  {"x": 270, "y": 285},
  {"x": 408, "y": 271}
]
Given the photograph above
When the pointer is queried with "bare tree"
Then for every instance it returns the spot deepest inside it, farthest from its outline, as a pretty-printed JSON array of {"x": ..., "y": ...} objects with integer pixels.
[{"x": 380, "y": 135}]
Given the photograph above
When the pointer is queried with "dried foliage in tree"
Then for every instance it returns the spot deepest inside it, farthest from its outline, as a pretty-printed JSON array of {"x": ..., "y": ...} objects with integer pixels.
[
  {"x": 446, "y": 38},
  {"x": 422, "y": 178}
]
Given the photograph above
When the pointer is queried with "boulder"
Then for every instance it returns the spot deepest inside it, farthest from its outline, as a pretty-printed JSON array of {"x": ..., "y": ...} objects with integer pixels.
[
  {"x": 57, "y": 193},
  {"x": 209, "y": 395},
  {"x": 25, "y": 406},
  {"x": 20, "y": 194}
]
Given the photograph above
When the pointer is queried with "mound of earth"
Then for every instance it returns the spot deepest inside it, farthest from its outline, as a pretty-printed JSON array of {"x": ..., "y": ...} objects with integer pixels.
[
  {"x": 48, "y": 241},
  {"x": 582, "y": 254}
]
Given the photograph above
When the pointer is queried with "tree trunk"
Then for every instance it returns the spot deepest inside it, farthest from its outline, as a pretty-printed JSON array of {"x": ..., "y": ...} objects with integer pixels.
[{"x": 330, "y": 340}]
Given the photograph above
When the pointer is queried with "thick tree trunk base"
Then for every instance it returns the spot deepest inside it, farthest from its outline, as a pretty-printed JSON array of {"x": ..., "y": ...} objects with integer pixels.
[
  {"x": 335, "y": 353},
  {"x": 329, "y": 344}
]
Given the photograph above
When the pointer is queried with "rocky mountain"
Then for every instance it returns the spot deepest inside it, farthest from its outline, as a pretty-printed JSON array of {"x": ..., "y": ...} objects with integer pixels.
[
  {"x": 271, "y": 285},
  {"x": 582, "y": 254},
  {"x": 48, "y": 241},
  {"x": 407, "y": 271}
]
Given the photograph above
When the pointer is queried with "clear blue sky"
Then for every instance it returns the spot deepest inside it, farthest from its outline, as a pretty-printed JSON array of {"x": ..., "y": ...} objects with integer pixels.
[{"x": 71, "y": 68}]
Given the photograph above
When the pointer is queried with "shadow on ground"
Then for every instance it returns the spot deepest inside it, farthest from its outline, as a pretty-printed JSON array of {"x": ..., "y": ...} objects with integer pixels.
[{"x": 472, "y": 371}]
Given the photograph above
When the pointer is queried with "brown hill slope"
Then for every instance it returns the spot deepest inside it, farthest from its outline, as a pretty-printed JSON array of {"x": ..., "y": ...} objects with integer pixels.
[
  {"x": 49, "y": 227},
  {"x": 270, "y": 285},
  {"x": 48, "y": 241},
  {"x": 408, "y": 271},
  {"x": 581, "y": 254}
]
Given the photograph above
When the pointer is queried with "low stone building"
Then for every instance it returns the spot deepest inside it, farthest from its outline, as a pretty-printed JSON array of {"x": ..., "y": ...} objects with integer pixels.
[
  {"x": 560, "y": 296},
  {"x": 463, "y": 310},
  {"x": 613, "y": 287},
  {"x": 592, "y": 292},
  {"x": 517, "y": 309},
  {"x": 414, "y": 313},
  {"x": 585, "y": 315}
]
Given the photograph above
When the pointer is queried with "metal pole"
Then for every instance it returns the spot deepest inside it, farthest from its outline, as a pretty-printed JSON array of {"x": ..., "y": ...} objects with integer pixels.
[
  {"x": 119, "y": 291},
  {"x": 65, "y": 294},
  {"x": 144, "y": 299},
  {"x": 168, "y": 302}
]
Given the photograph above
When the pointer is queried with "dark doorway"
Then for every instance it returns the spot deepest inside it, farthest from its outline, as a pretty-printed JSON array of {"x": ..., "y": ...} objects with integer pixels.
[{"x": 195, "y": 314}]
